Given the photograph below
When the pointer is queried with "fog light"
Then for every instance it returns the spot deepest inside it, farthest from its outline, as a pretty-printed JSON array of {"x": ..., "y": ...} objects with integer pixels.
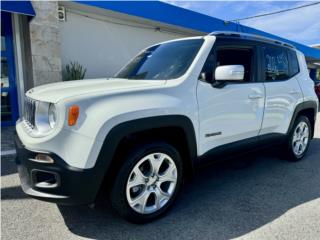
[
  {"x": 45, "y": 179},
  {"x": 42, "y": 158}
]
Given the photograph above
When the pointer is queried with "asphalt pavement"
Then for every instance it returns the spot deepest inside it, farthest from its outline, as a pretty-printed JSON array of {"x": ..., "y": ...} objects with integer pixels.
[{"x": 254, "y": 196}]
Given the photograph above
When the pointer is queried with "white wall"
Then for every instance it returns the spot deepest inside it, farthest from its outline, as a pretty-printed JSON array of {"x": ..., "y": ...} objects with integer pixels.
[{"x": 103, "y": 47}]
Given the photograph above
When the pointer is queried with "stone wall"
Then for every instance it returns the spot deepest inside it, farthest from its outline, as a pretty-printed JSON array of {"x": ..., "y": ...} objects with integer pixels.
[{"x": 45, "y": 43}]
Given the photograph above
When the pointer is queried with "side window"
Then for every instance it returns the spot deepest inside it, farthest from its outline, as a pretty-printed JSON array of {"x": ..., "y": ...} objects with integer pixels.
[
  {"x": 237, "y": 56},
  {"x": 228, "y": 56},
  {"x": 294, "y": 63},
  {"x": 276, "y": 64}
]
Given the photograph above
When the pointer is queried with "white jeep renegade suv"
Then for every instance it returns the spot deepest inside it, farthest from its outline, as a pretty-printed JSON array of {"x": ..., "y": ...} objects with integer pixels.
[{"x": 176, "y": 104}]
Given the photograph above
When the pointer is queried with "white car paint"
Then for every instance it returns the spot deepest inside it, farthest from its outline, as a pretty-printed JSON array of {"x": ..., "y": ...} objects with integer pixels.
[
  {"x": 281, "y": 99},
  {"x": 237, "y": 111},
  {"x": 229, "y": 112},
  {"x": 230, "y": 73},
  {"x": 54, "y": 92}
]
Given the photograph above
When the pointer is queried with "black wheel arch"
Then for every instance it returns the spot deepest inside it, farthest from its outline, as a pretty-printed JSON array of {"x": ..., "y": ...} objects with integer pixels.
[
  {"x": 106, "y": 164},
  {"x": 308, "y": 109}
]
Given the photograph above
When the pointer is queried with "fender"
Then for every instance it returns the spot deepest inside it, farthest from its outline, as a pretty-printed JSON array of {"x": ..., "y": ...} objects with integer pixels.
[
  {"x": 300, "y": 107},
  {"x": 117, "y": 133}
]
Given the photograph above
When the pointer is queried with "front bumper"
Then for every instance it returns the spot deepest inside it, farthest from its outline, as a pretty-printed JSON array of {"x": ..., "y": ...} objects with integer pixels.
[{"x": 67, "y": 185}]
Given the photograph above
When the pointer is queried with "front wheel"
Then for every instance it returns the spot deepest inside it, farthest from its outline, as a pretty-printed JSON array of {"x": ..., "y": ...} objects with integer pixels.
[
  {"x": 298, "y": 139},
  {"x": 147, "y": 183}
]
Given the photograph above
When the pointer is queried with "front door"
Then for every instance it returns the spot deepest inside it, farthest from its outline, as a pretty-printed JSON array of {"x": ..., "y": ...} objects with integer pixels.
[
  {"x": 235, "y": 111},
  {"x": 9, "y": 106}
]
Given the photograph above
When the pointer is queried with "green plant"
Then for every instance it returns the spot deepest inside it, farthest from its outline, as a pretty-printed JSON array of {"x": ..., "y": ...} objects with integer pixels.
[{"x": 74, "y": 71}]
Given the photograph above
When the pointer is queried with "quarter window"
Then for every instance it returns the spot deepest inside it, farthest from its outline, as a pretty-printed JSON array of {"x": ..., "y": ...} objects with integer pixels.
[{"x": 276, "y": 64}]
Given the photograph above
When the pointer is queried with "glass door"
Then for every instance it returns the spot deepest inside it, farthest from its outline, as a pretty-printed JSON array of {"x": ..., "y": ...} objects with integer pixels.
[{"x": 9, "y": 105}]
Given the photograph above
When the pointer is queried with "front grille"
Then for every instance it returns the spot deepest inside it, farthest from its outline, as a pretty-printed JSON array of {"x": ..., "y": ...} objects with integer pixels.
[{"x": 29, "y": 111}]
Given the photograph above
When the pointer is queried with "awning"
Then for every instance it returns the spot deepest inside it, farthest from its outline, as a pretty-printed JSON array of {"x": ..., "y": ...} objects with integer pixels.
[{"x": 20, "y": 7}]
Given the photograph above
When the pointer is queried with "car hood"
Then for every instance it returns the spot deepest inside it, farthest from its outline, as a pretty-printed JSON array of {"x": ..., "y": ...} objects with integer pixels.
[{"x": 55, "y": 92}]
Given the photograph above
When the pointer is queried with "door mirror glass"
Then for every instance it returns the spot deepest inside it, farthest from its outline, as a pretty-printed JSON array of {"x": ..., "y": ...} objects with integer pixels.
[{"x": 229, "y": 73}]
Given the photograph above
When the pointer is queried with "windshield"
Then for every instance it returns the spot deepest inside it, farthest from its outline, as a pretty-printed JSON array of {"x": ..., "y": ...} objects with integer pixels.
[{"x": 164, "y": 61}]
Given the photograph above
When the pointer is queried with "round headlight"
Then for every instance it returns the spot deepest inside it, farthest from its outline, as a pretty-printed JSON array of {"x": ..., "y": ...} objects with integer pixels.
[{"x": 52, "y": 115}]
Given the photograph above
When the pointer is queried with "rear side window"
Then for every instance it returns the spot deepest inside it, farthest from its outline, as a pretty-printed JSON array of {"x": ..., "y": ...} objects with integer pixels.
[
  {"x": 276, "y": 64},
  {"x": 294, "y": 63}
]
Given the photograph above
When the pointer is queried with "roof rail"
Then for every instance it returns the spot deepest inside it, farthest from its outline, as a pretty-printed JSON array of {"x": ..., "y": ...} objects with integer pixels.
[{"x": 249, "y": 36}]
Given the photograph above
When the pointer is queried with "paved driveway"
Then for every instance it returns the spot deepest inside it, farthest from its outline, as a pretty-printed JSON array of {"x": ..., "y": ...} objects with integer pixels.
[{"x": 261, "y": 198}]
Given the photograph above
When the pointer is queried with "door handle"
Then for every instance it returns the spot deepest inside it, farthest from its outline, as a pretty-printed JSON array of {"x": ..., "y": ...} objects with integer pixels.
[{"x": 255, "y": 96}]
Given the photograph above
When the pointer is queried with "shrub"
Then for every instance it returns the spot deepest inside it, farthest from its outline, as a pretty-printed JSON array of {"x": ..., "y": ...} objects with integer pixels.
[{"x": 74, "y": 71}]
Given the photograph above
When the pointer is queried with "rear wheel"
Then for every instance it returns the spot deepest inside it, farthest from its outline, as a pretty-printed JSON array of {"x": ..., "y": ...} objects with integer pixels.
[
  {"x": 147, "y": 183},
  {"x": 298, "y": 139}
]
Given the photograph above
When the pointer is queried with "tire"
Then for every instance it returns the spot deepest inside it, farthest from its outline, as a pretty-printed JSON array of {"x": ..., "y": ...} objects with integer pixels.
[
  {"x": 293, "y": 140},
  {"x": 143, "y": 191}
]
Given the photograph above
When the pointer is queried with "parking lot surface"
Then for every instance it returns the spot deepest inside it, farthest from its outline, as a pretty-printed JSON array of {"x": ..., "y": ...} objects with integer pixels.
[{"x": 254, "y": 196}]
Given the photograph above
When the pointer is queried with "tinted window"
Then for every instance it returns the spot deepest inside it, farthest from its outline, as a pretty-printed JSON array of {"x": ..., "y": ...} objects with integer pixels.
[
  {"x": 237, "y": 57},
  {"x": 276, "y": 64},
  {"x": 164, "y": 61},
  {"x": 228, "y": 56},
  {"x": 294, "y": 63}
]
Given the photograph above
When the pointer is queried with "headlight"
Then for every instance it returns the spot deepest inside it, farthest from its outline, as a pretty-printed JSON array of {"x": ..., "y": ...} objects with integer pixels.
[
  {"x": 52, "y": 115},
  {"x": 45, "y": 117}
]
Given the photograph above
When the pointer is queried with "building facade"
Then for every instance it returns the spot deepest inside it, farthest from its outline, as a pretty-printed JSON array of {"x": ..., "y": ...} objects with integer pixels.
[{"x": 38, "y": 39}]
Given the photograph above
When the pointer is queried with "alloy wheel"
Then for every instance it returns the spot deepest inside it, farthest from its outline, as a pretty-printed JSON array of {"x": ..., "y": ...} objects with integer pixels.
[
  {"x": 300, "y": 138},
  {"x": 151, "y": 183}
]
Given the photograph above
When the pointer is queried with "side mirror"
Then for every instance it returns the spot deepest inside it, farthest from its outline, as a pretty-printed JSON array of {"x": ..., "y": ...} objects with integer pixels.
[{"x": 229, "y": 73}]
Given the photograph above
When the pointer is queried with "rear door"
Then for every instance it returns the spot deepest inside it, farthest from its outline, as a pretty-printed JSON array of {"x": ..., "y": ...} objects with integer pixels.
[
  {"x": 283, "y": 92},
  {"x": 233, "y": 112}
]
